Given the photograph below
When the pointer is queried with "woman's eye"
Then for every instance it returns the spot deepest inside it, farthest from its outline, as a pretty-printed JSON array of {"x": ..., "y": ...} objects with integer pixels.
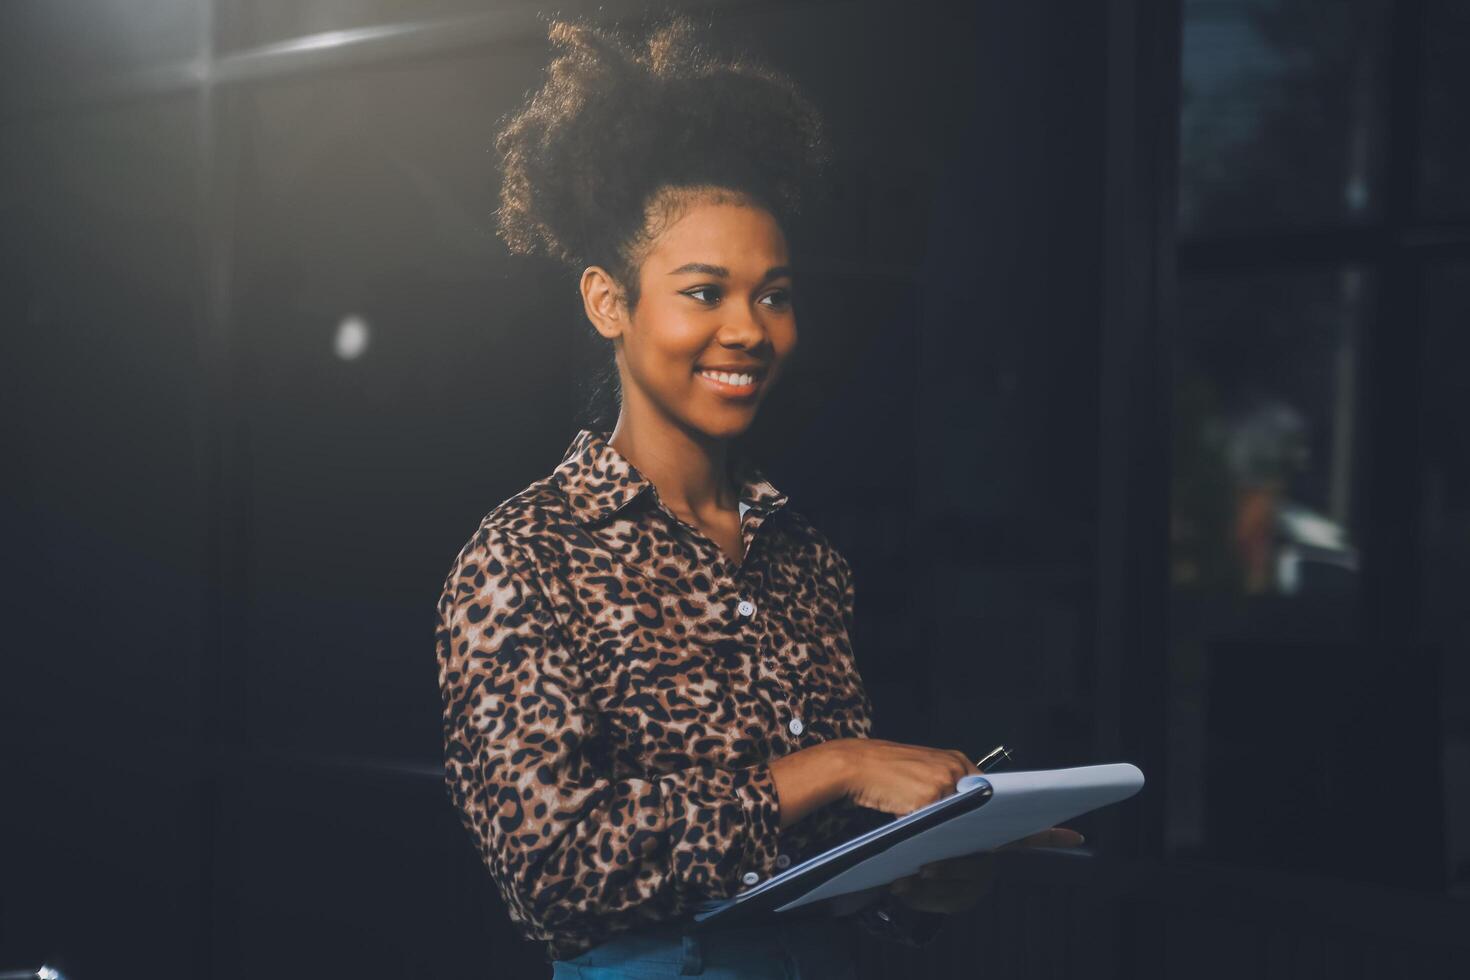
[{"x": 709, "y": 295}]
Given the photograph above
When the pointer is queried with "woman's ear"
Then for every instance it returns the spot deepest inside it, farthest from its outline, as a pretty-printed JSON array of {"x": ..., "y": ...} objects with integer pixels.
[{"x": 603, "y": 301}]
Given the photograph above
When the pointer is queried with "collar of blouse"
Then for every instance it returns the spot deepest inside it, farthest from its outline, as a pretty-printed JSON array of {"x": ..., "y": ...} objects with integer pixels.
[{"x": 599, "y": 481}]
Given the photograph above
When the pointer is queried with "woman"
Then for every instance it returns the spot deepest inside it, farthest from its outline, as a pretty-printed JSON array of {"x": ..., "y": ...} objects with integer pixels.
[{"x": 650, "y": 697}]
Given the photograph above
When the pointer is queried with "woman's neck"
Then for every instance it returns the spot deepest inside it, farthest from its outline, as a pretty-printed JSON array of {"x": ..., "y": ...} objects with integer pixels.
[{"x": 689, "y": 471}]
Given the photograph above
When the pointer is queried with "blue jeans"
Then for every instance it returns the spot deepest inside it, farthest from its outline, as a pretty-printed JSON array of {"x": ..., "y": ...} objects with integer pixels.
[{"x": 817, "y": 948}]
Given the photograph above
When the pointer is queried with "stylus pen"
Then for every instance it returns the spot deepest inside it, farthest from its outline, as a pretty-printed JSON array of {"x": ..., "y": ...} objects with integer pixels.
[{"x": 997, "y": 755}]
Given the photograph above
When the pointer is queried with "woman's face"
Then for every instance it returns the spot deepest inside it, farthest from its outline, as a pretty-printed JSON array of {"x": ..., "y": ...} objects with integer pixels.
[{"x": 714, "y": 320}]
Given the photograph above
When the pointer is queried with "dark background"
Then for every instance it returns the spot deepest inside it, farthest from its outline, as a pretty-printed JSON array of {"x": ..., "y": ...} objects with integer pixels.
[{"x": 1133, "y": 384}]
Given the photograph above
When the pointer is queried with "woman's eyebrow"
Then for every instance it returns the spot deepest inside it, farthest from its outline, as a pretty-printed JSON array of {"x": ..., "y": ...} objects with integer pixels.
[{"x": 719, "y": 271}]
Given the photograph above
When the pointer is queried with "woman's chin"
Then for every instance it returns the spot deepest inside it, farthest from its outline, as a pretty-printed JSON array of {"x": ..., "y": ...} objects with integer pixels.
[{"x": 724, "y": 425}]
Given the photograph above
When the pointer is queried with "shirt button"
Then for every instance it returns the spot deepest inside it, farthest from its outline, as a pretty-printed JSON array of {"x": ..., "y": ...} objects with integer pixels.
[
  {"x": 746, "y": 608},
  {"x": 750, "y": 877},
  {"x": 783, "y": 860},
  {"x": 796, "y": 726}
]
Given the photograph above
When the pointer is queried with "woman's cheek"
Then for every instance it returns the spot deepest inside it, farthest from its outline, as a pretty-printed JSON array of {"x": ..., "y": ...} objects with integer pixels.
[{"x": 686, "y": 342}]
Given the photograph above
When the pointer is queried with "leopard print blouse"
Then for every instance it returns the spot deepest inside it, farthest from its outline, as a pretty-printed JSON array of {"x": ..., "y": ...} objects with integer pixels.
[{"x": 615, "y": 688}]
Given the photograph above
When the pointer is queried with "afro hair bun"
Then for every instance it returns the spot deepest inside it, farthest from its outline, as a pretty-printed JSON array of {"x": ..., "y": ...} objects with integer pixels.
[{"x": 614, "y": 126}]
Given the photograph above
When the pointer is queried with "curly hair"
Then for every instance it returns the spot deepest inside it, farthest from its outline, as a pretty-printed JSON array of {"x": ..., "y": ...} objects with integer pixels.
[{"x": 619, "y": 139}]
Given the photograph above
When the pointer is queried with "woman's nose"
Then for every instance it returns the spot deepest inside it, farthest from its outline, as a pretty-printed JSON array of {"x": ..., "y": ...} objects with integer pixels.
[{"x": 742, "y": 328}]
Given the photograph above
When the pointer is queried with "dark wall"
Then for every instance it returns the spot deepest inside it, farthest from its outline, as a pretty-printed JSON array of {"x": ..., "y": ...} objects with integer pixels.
[
  {"x": 230, "y": 538},
  {"x": 225, "y": 538}
]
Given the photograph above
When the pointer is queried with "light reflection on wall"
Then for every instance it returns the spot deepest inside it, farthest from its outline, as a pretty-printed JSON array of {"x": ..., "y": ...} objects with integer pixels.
[{"x": 352, "y": 338}]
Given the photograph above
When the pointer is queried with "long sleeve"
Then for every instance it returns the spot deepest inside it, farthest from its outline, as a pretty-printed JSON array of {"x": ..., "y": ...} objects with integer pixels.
[{"x": 574, "y": 851}]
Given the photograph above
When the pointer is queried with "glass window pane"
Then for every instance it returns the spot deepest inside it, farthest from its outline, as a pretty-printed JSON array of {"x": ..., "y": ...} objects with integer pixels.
[
  {"x": 1444, "y": 161},
  {"x": 1446, "y": 537},
  {"x": 1264, "y": 419},
  {"x": 1264, "y": 543},
  {"x": 1282, "y": 120}
]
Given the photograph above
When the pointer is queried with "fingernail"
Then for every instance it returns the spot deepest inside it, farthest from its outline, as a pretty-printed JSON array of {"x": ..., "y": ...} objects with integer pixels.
[{"x": 1081, "y": 839}]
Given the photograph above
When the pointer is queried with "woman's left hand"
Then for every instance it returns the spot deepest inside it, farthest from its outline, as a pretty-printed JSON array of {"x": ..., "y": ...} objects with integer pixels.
[{"x": 958, "y": 884}]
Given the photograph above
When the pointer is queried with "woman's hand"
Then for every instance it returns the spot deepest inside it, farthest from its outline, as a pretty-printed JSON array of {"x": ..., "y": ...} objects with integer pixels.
[
  {"x": 951, "y": 886},
  {"x": 897, "y": 778},
  {"x": 887, "y": 776},
  {"x": 958, "y": 884}
]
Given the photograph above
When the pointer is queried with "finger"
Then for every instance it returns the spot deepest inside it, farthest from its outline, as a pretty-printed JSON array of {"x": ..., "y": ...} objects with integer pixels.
[
  {"x": 946, "y": 896},
  {"x": 977, "y": 880},
  {"x": 937, "y": 793},
  {"x": 973, "y": 864},
  {"x": 1052, "y": 837},
  {"x": 965, "y": 866},
  {"x": 906, "y": 888},
  {"x": 967, "y": 765}
]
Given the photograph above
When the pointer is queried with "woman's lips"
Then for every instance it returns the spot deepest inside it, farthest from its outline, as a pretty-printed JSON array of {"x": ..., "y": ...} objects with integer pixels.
[{"x": 736, "y": 385}]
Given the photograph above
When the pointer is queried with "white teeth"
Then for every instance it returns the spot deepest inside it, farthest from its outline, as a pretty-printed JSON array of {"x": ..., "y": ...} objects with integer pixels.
[{"x": 737, "y": 380}]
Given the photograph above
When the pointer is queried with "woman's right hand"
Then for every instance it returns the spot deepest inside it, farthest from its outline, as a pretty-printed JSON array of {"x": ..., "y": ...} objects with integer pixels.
[{"x": 898, "y": 778}]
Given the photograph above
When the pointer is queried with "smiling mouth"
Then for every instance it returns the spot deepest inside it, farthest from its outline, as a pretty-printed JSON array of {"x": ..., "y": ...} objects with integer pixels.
[{"x": 733, "y": 384}]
